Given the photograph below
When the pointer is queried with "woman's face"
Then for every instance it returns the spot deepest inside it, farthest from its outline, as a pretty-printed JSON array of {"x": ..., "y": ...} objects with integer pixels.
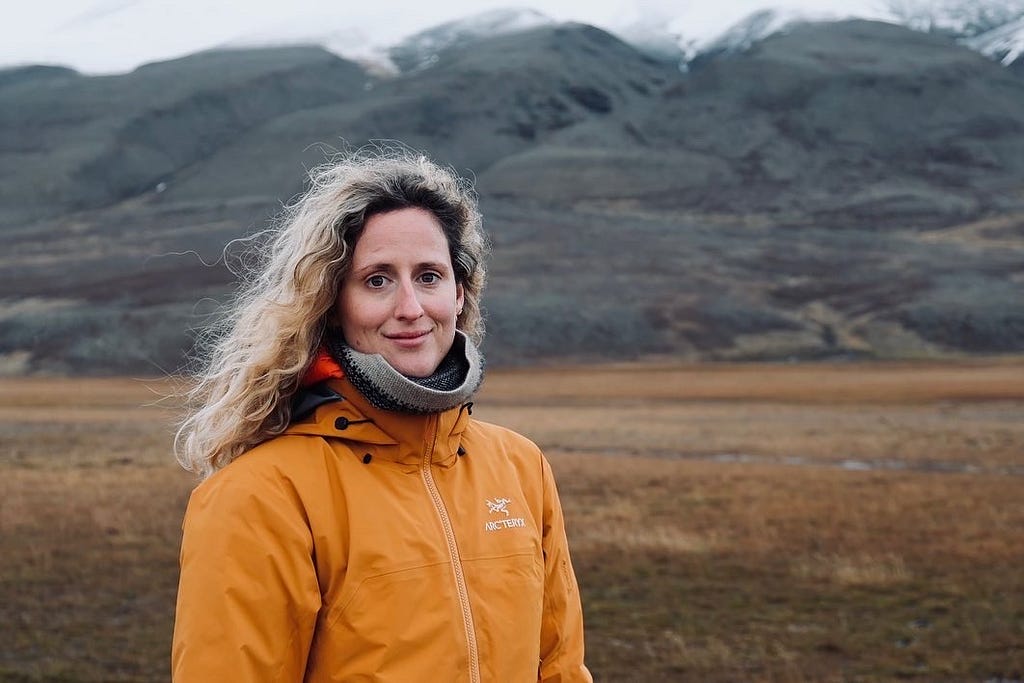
[{"x": 400, "y": 298}]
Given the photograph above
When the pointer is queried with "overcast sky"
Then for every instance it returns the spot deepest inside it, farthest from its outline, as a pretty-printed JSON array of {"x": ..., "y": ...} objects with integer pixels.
[{"x": 102, "y": 36}]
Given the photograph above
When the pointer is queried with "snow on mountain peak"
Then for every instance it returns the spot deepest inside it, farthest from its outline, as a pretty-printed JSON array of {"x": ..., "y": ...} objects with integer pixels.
[
  {"x": 961, "y": 18},
  {"x": 701, "y": 27},
  {"x": 760, "y": 25},
  {"x": 992, "y": 27},
  {"x": 94, "y": 40},
  {"x": 1004, "y": 43},
  {"x": 498, "y": 21},
  {"x": 420, "y": 49}
]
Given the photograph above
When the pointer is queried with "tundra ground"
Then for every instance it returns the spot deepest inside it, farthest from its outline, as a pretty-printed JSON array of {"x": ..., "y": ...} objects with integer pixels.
[{"x": 746, "y": 522}]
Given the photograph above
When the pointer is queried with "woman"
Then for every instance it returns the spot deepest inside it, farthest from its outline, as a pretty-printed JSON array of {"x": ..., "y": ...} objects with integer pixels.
[{"x": 355, "y": 522}]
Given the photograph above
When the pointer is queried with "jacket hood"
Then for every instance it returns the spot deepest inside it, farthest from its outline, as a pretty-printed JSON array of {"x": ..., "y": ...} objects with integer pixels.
[{"x": 335, "y": 409}]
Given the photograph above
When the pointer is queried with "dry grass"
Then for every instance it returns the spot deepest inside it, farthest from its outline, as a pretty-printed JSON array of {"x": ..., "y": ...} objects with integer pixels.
[
  {"x": 784, "y": 567},
  {"x": 946, "y": 416},
  {"x": 814, "y": 383},
  {"x": 796, "y": 573}
]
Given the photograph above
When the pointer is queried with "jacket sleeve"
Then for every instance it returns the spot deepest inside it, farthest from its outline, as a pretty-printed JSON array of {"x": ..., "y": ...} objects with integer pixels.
[
  {"x": 561, "y": 637},
  {"x": 248, "y": 595}
]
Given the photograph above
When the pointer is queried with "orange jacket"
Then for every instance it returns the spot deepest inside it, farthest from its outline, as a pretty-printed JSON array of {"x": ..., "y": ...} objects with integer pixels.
[{"x": 365, "y": 545}]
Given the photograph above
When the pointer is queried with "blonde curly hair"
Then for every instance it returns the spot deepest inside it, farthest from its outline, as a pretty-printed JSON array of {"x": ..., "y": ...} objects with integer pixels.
[{"x": 253, "y": 360}]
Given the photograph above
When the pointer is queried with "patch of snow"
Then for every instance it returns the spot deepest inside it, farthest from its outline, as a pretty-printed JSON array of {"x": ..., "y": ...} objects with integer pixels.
[
  {"x": 426, "y": 44},
  {"x": 759, "y": 26},
  {"x": 736, "y": 26},
  {"x": 116, "y": 35},
  {"x": 1005, "y": 43},
  {"x": 993, "y": 27},
  {"x": 348, "y": 42},
  {"x": 959, "y": 18}
]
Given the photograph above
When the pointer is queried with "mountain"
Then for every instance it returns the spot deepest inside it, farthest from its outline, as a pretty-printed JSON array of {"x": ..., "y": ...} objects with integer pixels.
[
  {"x": 422, "y": 49},
  {"x": 836, "y": 140},
  {"x": 994, "y": 28},
  {"x": 752, "y": 28},
  {"x": 849, "y": 189},
  {"x": 959, "y": 19},
  {"x": 756, "y": 27},
  {"x": 70, "y": 142},
  {"x": 821, "y": 109}
]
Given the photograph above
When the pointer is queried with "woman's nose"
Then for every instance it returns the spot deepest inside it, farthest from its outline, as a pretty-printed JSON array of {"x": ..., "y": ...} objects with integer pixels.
[{"x": 407, "y": 304}]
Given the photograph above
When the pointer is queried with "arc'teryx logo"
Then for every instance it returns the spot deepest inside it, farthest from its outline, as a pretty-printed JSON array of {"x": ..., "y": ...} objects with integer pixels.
[
  {"x": 498, "y": 505},
  {"x": 501, "y": 505}
]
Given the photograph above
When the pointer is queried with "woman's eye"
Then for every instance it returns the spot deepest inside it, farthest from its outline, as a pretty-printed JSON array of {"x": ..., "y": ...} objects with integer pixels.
[
  {"x": 376, "y": 281},
  {"x": 430, "y": 278}
]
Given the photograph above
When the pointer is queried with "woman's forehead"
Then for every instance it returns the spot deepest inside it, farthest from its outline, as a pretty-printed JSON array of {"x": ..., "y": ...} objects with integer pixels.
[{"x": 405, "y": 234}]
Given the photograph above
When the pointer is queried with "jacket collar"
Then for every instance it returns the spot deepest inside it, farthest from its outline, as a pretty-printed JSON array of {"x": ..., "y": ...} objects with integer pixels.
[{"x": 341, "y": 412}]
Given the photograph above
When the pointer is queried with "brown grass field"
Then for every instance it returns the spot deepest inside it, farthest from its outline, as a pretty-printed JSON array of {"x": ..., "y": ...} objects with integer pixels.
[{"x": 728, "y": 523}]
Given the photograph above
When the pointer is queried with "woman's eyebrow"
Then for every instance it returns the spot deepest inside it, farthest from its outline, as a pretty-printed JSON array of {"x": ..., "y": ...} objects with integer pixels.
[
  {"x": 434, "y": 265},
  {"x": 374, "y": 267},
  {"x": 387, "y": 267}
]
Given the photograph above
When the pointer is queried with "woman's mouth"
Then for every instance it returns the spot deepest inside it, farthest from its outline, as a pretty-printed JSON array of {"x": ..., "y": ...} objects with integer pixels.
[{"x": 408, "y": 339}]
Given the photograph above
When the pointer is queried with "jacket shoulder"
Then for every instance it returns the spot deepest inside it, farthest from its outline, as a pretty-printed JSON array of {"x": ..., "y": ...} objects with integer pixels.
[
  {"x": 285, "y": 464},
  {"x": 513, "y": 447},
  {"x": 497, "y": 434}
]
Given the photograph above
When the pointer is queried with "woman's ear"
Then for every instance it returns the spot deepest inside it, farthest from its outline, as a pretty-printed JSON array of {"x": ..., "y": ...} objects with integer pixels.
[{"x": 460, "y": 298}]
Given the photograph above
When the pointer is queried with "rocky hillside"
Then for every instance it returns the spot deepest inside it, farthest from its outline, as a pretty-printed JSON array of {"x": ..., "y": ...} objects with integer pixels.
[{"x": 837, "y": 190}]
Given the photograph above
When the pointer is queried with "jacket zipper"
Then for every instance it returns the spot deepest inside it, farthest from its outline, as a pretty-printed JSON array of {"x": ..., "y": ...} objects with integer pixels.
[{"x": 453, "y": 551}]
